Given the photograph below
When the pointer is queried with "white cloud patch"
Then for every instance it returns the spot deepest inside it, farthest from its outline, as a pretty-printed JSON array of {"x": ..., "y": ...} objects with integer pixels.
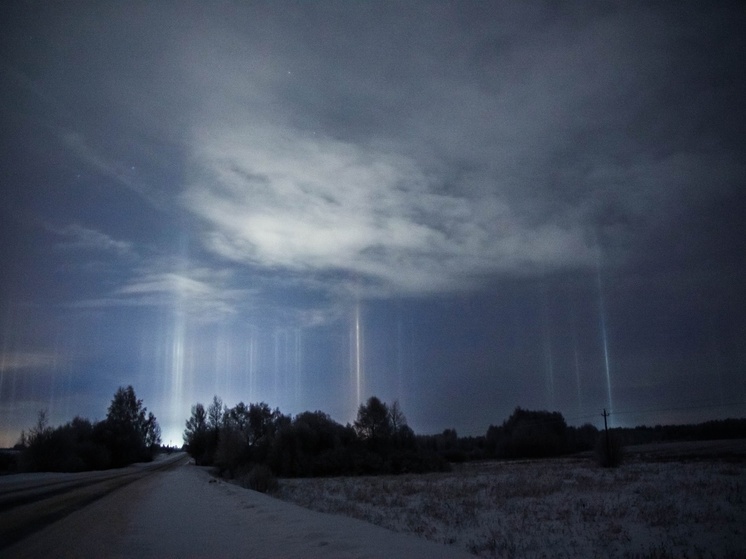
[{"x": 283, "y": 200}]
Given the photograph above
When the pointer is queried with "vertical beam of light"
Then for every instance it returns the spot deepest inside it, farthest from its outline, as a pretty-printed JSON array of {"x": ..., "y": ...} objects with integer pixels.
[
  {"x": 297, "y": 367},
  {"x": 284, "y": 362},
  {"x": 717, "y": 361},
  {"x": 4, "y": 351},
  {"x": 576, "y": 358},
  {"x": 178, "y": 340},
  {"x": 399, "y": 355},
  {"x": 604, "y": 336},
  {"x": 3, "y": 367},
  {"x": 55, "y": 373},
  {"x": 548, "y": 357},
  {"x": 252, "y": 364},
  {"x": 577, "y": 370},
  {"x": 177, "y": 364},
  {"x": 72, "y": 350},
  {"x": 277, "y": 364},
  {"x": 358, "y": 360},
  {"x": 9, "y": 349},
  {"x": 223, "y": 365}
]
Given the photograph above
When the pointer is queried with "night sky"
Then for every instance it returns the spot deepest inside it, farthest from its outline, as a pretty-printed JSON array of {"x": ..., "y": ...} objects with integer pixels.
[{"x": 465, "y": 206}]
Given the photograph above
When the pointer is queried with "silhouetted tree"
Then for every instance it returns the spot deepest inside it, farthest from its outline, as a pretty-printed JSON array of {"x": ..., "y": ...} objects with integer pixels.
[
  {"x": 312, "y": 444},
  {"x": 373, "y": 421},
  {"x": 37, "y": 455},
  {"x": 529, "y": 434},
  {"x": 261, "y": 419},
  {"x": 129, "y": 433},
  {"x": 196, "y": 435},
  {"x": 396, "y": 417}
]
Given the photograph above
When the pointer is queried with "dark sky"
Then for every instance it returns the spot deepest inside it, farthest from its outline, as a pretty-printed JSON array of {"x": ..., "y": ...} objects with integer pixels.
[{"x": 465, "y": 206}]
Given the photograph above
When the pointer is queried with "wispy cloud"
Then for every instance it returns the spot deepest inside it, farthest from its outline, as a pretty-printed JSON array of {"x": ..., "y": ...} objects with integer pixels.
[
  {"x": 78, "y": 237},
  {"x": 200, "y": 292},
  {"x": 204, "y": 294}
]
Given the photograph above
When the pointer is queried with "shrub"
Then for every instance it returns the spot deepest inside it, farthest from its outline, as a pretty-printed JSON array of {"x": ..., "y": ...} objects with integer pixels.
[
  {"x": 232, "y": 451},
  {"x": 261, "y": 479},
  {"x": 609, "y": 451},
  {"x": 8, "y": 461}
]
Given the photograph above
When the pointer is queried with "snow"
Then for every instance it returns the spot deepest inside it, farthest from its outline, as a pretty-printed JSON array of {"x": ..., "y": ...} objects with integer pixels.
[
  {"x": 198, "y": 516},
  {"x": 553, "y": 508},
  {"x": 185, "y": 512}
]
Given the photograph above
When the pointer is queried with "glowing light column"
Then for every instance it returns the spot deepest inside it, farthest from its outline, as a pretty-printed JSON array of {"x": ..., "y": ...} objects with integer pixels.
[
  {"x": 357, "y": 357},
  {"x": 604, "y": 336},
  {"x": 548, "y": 357}
]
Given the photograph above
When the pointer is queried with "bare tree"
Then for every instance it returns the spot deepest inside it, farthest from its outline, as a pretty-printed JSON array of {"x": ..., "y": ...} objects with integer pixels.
[{"x": 396, "y": 417}]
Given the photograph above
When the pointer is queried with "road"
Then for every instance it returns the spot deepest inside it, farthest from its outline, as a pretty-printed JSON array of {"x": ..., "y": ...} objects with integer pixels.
[
  {"x": 29, "y": 502},
  {"x": 179, "y": 510}
]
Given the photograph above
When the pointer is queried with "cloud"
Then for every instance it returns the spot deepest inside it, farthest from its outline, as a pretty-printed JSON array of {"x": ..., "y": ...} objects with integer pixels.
[
  {"x": 202, "y": 293},
  {"x": 431, "y": 165},
  {"x": 83, "y": 238},
  {"x": 278, "y": 199},
  {"x": 414, "y": 152}
]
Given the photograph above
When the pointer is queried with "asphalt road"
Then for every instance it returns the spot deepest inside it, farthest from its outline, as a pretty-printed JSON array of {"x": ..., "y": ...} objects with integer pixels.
[{"x": 29, "y": 502}]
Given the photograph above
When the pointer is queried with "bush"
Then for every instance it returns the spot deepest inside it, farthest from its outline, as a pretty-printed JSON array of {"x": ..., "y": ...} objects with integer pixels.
[
  {"x": 8, "y": 461},
  {"x": 232, "y": 451},
  {"x": 609, "y": 452},
  {"x": 261, "y": 479}
]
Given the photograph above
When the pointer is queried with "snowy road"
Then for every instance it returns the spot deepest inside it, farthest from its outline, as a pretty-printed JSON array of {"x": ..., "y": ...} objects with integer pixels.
[
  {"x": 182, "y": 512},
  {"x": 28, "y": 502}
]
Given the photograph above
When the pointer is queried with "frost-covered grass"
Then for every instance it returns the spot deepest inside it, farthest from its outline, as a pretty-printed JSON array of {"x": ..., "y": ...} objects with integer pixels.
[{"x": 553, "y": 508}]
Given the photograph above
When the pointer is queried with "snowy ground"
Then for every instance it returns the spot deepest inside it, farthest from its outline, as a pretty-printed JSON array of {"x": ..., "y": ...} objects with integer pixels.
[
  {"x": 187, "y": 513},
  {"x": 555, "y": 508}
]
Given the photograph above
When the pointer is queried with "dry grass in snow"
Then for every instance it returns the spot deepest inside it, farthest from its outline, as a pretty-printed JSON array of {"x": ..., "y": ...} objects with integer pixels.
[{"x": 552, "y": 508}]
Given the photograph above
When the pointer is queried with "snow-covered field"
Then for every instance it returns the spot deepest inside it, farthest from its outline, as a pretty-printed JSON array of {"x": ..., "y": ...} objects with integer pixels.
[{"x": 553, "y": 508}]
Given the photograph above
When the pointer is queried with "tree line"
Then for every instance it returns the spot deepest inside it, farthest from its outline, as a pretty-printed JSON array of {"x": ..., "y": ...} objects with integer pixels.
[
  {"x": 525, "y": 434},
  {"x": 541, "y": 434},
  {"x": 379, "y": 441},
  {"x": 237, "y": 440},
  {"x": 128, "y": 434}
]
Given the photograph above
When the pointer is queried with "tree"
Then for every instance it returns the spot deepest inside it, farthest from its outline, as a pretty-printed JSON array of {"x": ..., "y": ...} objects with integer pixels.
[
  {"x": 238, "y": 418},
  {"x": 152, "y": 432},
  {"x": 233, "y": 448},
  {"x": 534, "y": 434},
  {"x": 373, "y": 420},
  {"x": 215, "y": 413},
  {"x": 196, "y": 435},
  {"x": 261, "y": 420},
  {"x": 128, "y": 431},
  {"x": 37, "y": 455},
  {"x": 396, "y": 417},
  {"x": 196, "y": 424}
]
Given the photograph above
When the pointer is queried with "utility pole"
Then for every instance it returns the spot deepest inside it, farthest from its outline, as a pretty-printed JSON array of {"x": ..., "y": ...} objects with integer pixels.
[{"x": 608, "y": 445}]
